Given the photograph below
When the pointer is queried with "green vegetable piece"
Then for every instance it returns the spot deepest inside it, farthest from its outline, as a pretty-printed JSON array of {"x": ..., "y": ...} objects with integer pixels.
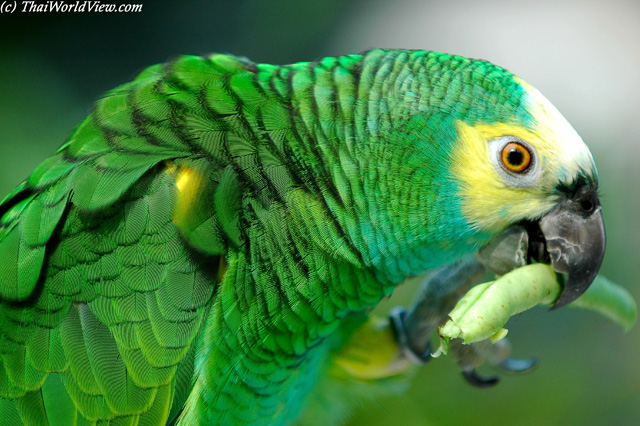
[
  {"x": 610, "y": 300},
  {"x": 482, "y": 313}
]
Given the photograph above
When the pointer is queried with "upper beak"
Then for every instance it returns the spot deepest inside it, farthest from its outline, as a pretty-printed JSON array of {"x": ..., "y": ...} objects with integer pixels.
[{"x": 575, "y": 240}]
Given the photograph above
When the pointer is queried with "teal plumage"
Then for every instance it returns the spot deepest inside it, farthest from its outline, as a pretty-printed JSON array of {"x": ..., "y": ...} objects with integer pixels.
[{"x": 184, "y": 256}]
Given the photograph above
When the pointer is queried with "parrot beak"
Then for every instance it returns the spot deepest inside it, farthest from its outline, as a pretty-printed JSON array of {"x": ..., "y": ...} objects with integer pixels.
[{"x": 575, "y": 241}]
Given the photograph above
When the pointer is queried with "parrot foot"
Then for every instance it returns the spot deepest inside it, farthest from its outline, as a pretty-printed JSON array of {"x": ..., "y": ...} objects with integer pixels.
[
  {"x": 397, "y": 319},
  {"x": 511, "y": 365},
  {"x": 439, "y": 294},
  {"x": 441, "y": 291},
  {"x": 471, "y": 357}
]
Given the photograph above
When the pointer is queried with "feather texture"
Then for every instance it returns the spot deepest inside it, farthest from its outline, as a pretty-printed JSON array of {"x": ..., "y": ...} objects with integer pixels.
[{"x": 186, "y": 254}]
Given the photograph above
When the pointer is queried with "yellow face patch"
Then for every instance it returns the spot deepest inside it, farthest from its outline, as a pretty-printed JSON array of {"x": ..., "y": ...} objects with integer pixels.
[
  {"x": 494, "y": 198},
  {"x": 490, "y": 202}
]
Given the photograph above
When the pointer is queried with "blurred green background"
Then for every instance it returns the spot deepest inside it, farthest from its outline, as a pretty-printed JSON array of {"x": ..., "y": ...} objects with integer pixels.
[{"x": 583, "y": 55}]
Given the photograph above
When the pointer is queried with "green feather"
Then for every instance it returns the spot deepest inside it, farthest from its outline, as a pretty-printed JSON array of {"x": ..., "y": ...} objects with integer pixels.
[
  {"x": 9, "y": 414},
  {"x": 58, "y": 405},
  {"x": 32, "y": 409},
  {"x": 44, "y": 351},
  {"x": 120, "y": 391},
  {"x": 188, "y": 252}
]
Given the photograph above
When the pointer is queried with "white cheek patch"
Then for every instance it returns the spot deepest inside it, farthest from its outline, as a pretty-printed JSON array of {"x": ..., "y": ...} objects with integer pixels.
[{"x": 556, "y": 131}]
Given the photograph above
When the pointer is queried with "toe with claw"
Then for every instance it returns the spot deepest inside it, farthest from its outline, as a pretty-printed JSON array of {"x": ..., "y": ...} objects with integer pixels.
[
  {"x": 440, "y": 293},
  {"x": 471, "y": 357},
  {"x": 413, "y": 328}
]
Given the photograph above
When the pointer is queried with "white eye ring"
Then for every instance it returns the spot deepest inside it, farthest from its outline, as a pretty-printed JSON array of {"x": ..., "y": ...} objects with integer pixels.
[{"x": 523, "y": 179}]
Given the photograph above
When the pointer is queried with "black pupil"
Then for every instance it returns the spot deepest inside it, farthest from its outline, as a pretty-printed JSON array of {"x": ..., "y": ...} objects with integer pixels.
[{"x": 515, "y": 157}]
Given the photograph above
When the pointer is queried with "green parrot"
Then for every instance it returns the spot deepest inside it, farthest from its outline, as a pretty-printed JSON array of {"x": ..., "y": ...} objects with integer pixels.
[{"x": 203, "y": 246}]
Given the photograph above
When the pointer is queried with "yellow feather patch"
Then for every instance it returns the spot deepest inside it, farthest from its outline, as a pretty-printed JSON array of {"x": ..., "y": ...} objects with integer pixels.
[
  {"x": 191, "y": 185},
  {"x": 371, "y": 353},
  {"x": 489, "y": 202}
]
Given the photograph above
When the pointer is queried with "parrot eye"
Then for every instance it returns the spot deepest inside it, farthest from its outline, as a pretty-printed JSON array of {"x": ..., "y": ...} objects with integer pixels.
[
  {"x": 516, "y": 157},
  {"x": 515, "y": 160}
]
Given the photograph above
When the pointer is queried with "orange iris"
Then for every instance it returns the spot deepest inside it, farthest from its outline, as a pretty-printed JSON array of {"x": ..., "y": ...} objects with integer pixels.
[{"x": 516, "y": 157}]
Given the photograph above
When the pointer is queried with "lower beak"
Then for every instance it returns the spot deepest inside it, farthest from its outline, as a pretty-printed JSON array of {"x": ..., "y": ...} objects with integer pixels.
[{"x": 575, "y": 240}]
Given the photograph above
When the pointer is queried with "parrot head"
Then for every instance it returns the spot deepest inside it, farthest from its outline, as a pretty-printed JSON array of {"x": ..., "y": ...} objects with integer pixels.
[{"x": 534, "y": 170}]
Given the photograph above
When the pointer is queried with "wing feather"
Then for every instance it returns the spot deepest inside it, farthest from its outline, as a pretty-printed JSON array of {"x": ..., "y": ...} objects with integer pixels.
[{"x": 102, "y": 294}]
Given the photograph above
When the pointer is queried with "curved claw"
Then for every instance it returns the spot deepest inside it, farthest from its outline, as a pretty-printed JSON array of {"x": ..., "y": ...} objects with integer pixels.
[
  {"x": 396, "y": 317},
  {"x": 514, "y": 365},
  {"x": 474, "y": 379}
]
